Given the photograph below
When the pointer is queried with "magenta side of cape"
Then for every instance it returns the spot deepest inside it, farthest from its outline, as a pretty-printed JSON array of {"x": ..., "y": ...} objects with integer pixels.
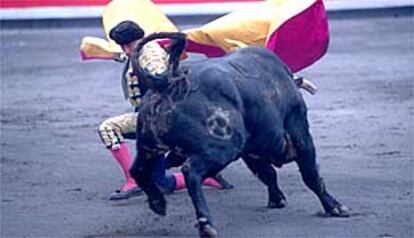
[
  {"x": 303, "y": 39},
  {"x": 207, "y": 50},
  {"x": 299, "y": 42}
]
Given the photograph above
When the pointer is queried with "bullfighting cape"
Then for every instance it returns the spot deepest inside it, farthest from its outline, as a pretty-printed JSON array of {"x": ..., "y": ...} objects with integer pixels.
[
  {"x": 144, "y": 12},
  {"x": 296, "y": 30}
]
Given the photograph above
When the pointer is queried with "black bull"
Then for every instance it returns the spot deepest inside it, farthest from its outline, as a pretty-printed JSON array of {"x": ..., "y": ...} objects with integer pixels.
[{"x": 212, "y": 112}]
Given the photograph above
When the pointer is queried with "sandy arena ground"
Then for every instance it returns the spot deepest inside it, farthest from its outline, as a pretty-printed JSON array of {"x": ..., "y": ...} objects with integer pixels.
[{"x": 56, "y": 176}]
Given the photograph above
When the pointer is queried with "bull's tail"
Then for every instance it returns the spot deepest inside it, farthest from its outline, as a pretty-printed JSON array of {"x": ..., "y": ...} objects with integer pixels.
[{"x": 175, "y": 49}]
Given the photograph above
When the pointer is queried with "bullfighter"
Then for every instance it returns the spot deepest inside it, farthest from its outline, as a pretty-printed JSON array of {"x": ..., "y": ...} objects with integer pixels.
[{"x": 115, "y": 130}]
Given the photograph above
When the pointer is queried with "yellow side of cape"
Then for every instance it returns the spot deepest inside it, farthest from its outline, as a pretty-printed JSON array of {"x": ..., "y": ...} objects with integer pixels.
[
  {"x": 250, "y": 26},
  {"x": 95, "y": 48},
  {"x": 144, "y": 12}
]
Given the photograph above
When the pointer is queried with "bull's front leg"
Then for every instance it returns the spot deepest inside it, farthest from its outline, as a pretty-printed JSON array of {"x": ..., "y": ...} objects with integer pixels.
[
  {"x": 142, "y": 171},
  {"x": 195, "y": 170}
]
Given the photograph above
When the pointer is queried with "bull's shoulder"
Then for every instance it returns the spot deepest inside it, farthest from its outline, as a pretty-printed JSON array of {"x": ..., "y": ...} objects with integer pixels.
[{"x": 215, "y": 80}]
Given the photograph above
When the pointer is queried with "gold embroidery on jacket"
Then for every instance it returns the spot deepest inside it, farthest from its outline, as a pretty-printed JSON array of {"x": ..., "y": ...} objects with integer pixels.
[{"x": 154, "y": 59}]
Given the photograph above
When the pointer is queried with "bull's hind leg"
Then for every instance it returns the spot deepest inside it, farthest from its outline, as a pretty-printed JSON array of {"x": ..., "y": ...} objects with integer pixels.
[
  {"x": 298, "y": 130},
  {"x": 267, "y": 174},
  {"x": 142, "y": 171}
]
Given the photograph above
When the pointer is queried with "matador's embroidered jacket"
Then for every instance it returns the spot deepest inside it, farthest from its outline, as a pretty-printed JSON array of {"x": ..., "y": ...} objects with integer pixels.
[{"x": 154, "y": 59}]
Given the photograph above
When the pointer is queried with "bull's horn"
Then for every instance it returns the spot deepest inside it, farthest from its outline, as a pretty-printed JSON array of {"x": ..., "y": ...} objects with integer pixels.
[{"x": 159, "y": 82}]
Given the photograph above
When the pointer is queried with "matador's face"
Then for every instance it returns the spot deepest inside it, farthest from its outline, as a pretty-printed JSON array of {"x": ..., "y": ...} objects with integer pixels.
[{"x": 128, "y": 48}]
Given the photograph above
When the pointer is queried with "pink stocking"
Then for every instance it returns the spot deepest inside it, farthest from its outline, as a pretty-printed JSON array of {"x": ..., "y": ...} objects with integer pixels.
[
  {"x": 124, "y": 159},
  {"x": 180, "y": 182}
]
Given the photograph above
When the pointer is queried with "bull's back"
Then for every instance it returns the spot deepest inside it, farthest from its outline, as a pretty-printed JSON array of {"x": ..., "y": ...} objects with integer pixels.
[{"x": 260, "y": 78}]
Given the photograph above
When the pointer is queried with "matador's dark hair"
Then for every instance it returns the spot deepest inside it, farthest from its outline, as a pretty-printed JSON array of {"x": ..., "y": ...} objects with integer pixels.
[{"x": 126, "y": 32}]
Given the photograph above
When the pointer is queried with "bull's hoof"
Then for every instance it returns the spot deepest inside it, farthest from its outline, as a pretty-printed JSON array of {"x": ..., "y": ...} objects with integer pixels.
[
  {"x": 277, "y": 204},
  {"x": 205, "y": 229},
  {"x": 339, "y": 211},
  {"x": 158, "y": 206},
  {"x": 223, "y": 182}
]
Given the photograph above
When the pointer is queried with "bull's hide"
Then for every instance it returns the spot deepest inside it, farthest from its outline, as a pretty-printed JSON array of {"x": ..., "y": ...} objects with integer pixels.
[{"x": 223, "y": 100}]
